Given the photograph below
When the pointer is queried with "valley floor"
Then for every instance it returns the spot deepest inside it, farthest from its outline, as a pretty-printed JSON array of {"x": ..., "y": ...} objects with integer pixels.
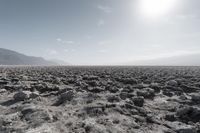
[{"x": 100, "y": 99}]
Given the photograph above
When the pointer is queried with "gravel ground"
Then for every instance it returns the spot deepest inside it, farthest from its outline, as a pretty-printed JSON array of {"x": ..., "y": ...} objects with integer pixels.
[{"x": 99, "y": 99}]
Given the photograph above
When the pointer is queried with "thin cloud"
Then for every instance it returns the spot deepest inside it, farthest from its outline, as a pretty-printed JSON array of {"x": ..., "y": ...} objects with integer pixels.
[
  {"x": 59, "y": 40},
  {"x": 64, "y": 42},
  {"x": 70, "y": 42},
  {"x": 167, "y": 54},
  {"x": 88, "y": 37},
  {"x": 66, "y": 50},
  {"x": 101, "y": 22},
  {"x": 69, "y": 50},
  {"x": 186, "y": 16},
  {"x": 105, "y": 9},
  {"x": 108, "y": 42},
  {"x": 51, "y": 52},
  {"x": 103, "y": 51}
]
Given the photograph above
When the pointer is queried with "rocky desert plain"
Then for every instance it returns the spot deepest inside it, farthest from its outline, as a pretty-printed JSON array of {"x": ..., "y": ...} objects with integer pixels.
[{"x": 99, "y": 99}]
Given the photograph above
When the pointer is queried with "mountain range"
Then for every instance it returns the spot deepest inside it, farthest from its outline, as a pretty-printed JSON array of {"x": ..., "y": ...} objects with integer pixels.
[
  {"x": 182, "y": 60},
  {"x": 10, "y": 57}
]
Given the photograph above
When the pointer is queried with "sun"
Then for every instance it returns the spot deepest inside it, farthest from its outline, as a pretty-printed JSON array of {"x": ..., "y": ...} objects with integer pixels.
[{"x": 156, "y": 8}]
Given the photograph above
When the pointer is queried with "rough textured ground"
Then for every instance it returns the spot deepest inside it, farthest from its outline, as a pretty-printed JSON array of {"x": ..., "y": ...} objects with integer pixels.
[{"x": 100, "y": 99}]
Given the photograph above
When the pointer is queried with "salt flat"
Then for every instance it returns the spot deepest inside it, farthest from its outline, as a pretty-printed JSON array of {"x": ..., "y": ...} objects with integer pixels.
[{"x": 108, "y": 99}]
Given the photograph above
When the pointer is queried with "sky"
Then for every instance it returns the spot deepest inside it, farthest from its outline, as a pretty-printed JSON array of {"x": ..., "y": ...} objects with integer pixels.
[{"x": 101, "y": 32}]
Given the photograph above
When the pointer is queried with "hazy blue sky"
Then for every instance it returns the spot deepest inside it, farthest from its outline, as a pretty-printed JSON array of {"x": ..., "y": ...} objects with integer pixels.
[{"x": 100, "y": 31}]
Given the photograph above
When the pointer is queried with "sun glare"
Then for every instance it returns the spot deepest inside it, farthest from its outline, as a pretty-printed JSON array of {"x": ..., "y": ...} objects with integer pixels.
[{"x": 156, "y": 8}]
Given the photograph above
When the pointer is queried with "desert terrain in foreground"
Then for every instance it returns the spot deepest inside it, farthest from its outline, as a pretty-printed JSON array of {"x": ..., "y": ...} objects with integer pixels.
[{"x": 99, "y": 99}]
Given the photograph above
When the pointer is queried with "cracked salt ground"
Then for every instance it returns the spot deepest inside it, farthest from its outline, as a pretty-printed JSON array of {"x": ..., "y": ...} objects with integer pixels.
[{"x": 100, "y": 100}]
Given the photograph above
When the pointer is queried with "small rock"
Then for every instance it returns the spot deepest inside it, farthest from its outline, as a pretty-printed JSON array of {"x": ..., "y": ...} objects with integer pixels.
[
  {"x": 124, "y": 95},
  {"x": 170, "y": 117},
  {"x": 183, "y": 110},
  {"x": 129, "y": 81},
  {"x": 91, "y": 128},
  {"x": 187, "y": 129},
  {"x": 91, "y": 77},
  {"x": 14, "y": 80},
  {"x": 128, "y": 106},
  {"x": 142, "y": 86},
  {"x": 188, "y": 113},
  {"x": 146, "y": 93},
  {"x": 3, "y": 82},
  {"x": 139, "y": 118},
  {"x": 113, "y": 99},
  {"x": 151, "y": 118},
  {"x": 189, "y": 88},
  {"x": 36, "y": 116},
  {"x": 196, "y": 98},
  {"x": 138, "y": 101},
  {"x": 65, "y": 88},
  {"x": 167, "y": 93},
  {"x": 113, "y": 89},
  {"x": 128, "y": 89},
  {"x": 116, "y": 121},
  {"x": 172, "y": 83},
  {"x": 183, "y": 97},
  {"x": 22, "y": 95},
  {"x": 28, "y": 108},
  {"x": 94, "y": 111},
  {"x": 90, "y": 97},
  {"x": 95, "y": 89},
  {"x": 92, "y": 83},
  {"x": 155, "y": 86},
  {"x": 2, "y": 90},
  {"x": 34, "y": 95},
  {"x": 66, "y": 96}
]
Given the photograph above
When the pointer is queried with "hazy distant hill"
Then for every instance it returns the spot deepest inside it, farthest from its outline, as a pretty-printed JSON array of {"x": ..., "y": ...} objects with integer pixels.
[
  {"x": 60, "y": 62},
  {"x": 9, "y": 57},
  {"x": 184, "y": 60}
]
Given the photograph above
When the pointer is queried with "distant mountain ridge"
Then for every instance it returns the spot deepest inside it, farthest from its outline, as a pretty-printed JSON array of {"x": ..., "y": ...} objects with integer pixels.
[
  {"x": 183, "y": 60},
  {"x": 10, "y": 57},
  {"x": 60, "y": 62}
]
